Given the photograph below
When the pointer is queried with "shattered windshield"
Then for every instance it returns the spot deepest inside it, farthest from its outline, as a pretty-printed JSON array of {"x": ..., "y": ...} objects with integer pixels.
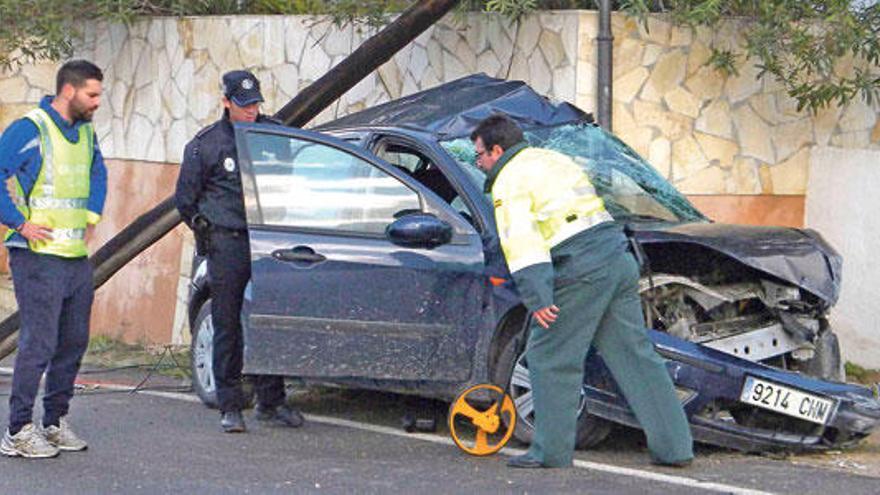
[{"x": 631, "y": 188}]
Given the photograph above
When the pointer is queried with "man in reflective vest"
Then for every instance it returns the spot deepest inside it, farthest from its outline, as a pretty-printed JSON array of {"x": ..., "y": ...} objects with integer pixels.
[
  {"x": 580, "y": 284},
  {"x": 57, "y": 184}
]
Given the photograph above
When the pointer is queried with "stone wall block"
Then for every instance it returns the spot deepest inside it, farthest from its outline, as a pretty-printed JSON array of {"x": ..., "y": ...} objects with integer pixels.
[
  {"x": 250, "y": 49},
  {"x": 14, "y": 89},
  {"x": 570, "y": 37},
  {"x": 754, "y": 135},
  {"x": 745, "y": 84},
  {"x": 40, "y": 76},
  {"x": 858, "y": 116},
  {"x": 681, "y": 101},
  {"x": 487, "y": 62},
  {"x": 295, "y": 34},
  {"x": 764, "y": 105},
  {"x": 660, "y": 156},
  {"x": 554, "y": 21},
  {"x": 435, "y": 57},
  {"x": 529, "y": 33},
  {"x": 667, "y": 75},
  {"x": 540, "y": 73},
  {"x": 10, "y": 112},
  {"x": 466, "y": 56},
  {"x": 687, "y": 158},
  {"x": 825, "y": 124},
  {"x": 720, "y": 152},
  {"x": 391, "y": 78},
  {"x": 698, "y": 55},
  {"x": 519, "y": 69},
  {"x": 790, "y": 137},
  {"x": 586, "y": 86},
  {"x": 671, "y": 125},
  {"x": 659, "y": 30},
  {"x": 315, "y": 63},
  {"x": 705, "y": 83},
  {"x": 552, "y": 47},
  {"x": 418, "y": 61},
  {"x": 563, "y": 84},
  {"x": 287, "y": 78},
  {"x": 627, "y": 56},
  {"x": 681, "y": 36},
  {"x": 638, "y": 138},
  {"x": 627, "y": 86},
  {"x": 652, "y": 54},
  {"x": 711, "y": 180},
  {"x": 875, "y": 133},
  {"x": 715, "y": 119},
  {"x": 766, "y": 179},
  {"x": 338, "y": 41},
  {"x": 273, "y": 43},
  {"x": 453, "y": 68},
  {"x": 744, "y": 178},
  {"x": 790, "y": 176}
]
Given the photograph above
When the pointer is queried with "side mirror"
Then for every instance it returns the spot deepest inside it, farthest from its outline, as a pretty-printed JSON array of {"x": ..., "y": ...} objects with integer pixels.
[{"x": 419, "y": 230}]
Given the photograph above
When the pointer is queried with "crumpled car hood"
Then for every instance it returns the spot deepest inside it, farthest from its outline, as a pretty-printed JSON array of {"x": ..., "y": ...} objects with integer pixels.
[{"x": 799, "y": 256}]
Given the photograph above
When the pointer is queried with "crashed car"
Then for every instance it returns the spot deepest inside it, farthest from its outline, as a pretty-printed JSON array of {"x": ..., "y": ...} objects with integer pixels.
[{"x": 376, "y": 264}]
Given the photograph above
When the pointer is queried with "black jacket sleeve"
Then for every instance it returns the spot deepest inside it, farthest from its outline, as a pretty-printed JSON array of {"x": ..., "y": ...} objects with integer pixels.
[{"x": 189, "y": 183}]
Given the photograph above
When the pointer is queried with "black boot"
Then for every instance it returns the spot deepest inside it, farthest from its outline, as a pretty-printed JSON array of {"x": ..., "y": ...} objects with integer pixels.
[
  {"x": 281, "y": 416},
  {"x": 232, "y": 422}
]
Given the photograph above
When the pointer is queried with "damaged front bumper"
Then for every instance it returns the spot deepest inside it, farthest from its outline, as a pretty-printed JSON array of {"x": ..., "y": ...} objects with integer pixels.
[{"x": 710, "y": 384}]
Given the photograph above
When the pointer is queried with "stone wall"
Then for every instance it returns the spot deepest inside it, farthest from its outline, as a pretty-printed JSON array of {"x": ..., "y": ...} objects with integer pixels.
[
  {"x": 735, "y": 145},
  {"x": 707, "y": 133}
]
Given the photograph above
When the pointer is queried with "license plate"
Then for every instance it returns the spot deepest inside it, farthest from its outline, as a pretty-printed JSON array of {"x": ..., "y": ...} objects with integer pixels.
[{"x": 787, "y": 400}]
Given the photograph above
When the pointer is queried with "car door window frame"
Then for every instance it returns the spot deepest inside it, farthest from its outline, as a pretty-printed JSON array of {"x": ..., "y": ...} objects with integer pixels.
[
  {"x": 383, "y": 138},
  {"x": 429, "y": 202}
]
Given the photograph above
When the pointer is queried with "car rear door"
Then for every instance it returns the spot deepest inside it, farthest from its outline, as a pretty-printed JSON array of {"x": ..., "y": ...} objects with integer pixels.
[{"x": 330, "y": 294}]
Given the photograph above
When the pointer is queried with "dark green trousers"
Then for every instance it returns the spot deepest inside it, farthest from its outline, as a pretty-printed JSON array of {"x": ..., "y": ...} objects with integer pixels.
[{"x": 601, "y": 308}]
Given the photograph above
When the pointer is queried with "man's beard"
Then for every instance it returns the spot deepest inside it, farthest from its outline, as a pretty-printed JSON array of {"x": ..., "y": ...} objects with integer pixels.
[{"x": 81, "y": 113}]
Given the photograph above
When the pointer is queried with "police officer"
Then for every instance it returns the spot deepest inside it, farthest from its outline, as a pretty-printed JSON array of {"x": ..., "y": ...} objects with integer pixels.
[
  {"x": 209, "y": 197},
  {"x": 574, "y": 274}
]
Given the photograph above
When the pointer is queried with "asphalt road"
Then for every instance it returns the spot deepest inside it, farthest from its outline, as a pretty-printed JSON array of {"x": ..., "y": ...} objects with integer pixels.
[{"x": 142, "y": 443}]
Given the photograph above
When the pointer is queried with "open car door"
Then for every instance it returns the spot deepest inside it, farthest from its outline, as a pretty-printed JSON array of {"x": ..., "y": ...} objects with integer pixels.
[{"x": 332, "y": 294}]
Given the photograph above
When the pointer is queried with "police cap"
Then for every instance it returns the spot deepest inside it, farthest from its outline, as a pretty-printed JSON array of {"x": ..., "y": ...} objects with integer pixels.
[{"x": 241, "y": 87}]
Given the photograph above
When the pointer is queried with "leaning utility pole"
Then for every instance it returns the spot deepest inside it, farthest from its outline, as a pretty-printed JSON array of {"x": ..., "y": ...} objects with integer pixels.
[{"x": 154, "y": 224}]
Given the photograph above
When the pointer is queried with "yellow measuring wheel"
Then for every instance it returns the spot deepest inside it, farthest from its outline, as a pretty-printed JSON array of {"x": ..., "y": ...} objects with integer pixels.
[{"x": 481, "y": 430}]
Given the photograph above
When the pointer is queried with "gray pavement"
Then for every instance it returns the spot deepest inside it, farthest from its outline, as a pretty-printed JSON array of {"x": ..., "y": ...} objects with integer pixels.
[{"x": 148, "y": 444}]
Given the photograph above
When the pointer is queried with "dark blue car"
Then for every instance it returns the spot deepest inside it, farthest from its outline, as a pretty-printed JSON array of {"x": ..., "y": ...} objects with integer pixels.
[{"x": 376, "y": 265}]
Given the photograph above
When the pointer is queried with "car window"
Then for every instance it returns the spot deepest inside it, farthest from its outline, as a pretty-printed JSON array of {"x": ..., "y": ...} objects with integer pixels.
[
  {"x": 301, "y": 183},
  {"x": 630, "y": 186}
]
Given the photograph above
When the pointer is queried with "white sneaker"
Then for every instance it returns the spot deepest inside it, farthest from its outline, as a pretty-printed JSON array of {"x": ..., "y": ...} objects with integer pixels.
[
  {"x": 64, "y": 438},
  {"x": 29, "y": 442}
]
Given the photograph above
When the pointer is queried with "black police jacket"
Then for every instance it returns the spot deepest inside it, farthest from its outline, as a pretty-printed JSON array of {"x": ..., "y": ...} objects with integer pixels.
[{"x": 209, "y": 183}]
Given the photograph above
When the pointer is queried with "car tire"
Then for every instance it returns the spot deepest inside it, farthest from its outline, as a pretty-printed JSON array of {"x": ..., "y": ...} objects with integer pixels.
[
  {"x": 511, "y": 372},
  {"x": 201, "y": 352}
]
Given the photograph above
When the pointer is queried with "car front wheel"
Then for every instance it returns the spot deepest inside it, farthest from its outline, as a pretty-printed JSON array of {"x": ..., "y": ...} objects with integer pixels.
[
  {"x": 202, "y": 351},
  {"x": 512, "y": 370}
]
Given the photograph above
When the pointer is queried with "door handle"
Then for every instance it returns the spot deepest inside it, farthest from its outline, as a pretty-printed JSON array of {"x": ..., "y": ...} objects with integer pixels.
[{"x": 299, "y": 254}]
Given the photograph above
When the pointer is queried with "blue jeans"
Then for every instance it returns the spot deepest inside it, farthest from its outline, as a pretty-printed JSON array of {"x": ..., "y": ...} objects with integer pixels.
[{"x": 54, "y": 297}]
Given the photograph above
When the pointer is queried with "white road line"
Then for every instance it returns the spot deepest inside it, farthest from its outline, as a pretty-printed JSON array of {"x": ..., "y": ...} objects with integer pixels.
[{"x": 385, "y": 430}]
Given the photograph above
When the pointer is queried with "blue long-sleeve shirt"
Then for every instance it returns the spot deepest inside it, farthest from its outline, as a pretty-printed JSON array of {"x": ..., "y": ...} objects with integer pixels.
[{"x": 20, "y": 157}]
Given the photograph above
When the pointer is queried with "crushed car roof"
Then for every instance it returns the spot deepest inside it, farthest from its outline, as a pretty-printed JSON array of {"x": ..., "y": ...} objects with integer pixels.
[{"x": 453, "y": 109}]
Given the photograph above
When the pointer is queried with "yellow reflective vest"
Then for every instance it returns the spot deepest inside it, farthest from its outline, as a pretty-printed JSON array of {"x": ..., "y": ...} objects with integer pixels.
[
  {"x": 60, "y": 195},
  {"x": 541, "y": 198}
]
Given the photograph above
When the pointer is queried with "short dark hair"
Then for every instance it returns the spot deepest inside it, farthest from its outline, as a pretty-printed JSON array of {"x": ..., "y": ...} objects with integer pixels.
[
  {"x": 76, "y": 73},
  {"x": 498, "y": 129}
]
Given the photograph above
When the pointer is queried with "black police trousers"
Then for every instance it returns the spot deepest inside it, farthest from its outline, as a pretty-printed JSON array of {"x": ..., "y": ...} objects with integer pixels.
[{"x": 229, "y": 270}]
